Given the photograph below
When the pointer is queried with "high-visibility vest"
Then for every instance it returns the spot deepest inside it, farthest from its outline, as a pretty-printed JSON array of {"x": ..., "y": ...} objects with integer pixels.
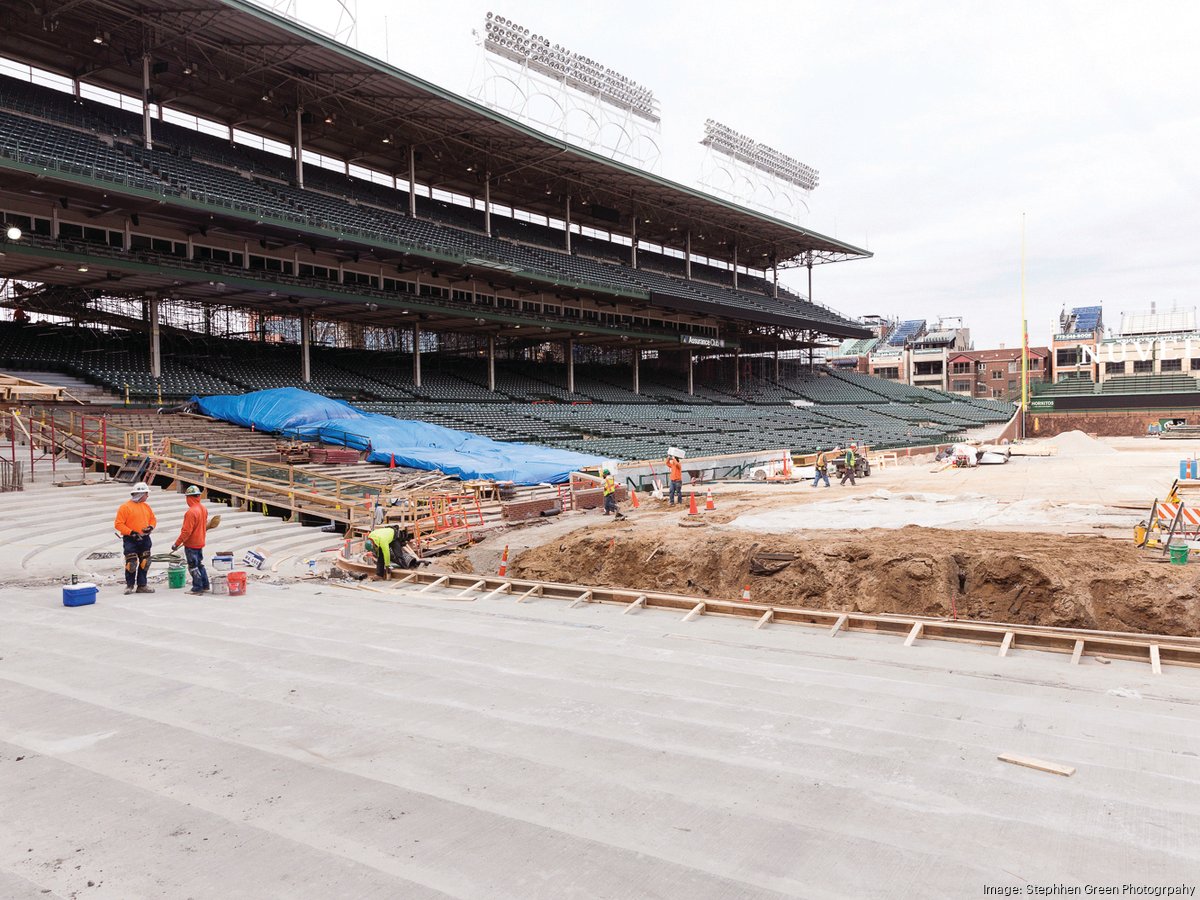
[{"x": 610, "y": 486}]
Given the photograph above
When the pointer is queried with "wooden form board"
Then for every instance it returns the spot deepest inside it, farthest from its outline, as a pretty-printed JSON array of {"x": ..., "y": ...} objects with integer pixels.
[
  {"x": 1039, "y": 764},
  {"x": 1155, "y": 650}
]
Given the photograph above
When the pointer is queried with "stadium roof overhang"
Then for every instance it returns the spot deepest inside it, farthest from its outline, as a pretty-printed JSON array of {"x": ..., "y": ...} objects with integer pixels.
[{"x": 232, "y": 61}]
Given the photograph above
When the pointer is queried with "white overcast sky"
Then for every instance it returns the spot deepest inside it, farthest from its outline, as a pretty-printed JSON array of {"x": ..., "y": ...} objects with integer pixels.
[{"x": 934, "y": 127}]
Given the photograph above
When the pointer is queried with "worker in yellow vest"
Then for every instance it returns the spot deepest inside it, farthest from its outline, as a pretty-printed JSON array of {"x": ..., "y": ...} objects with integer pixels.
[
  {"x": 610, "y": 495},
  {"x": 821, "y": 468},
  {"x": 379, "y": 542}
]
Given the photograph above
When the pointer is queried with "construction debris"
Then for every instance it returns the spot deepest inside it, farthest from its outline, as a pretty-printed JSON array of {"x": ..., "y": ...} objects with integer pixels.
[{"x": 1040, "y": 765}]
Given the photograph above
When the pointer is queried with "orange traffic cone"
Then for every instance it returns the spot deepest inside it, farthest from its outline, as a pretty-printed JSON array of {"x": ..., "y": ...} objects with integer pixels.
[
  {"x": 708, "y": 501},
  {"x": 637, "y": 504},
  {"x": 692, "y": 510},
  {"x": 746, "y": 594},
  {"x": 392, "y": 464},
  {"x": 787, "y": 464},
  {"x": 504, "y": 562}
]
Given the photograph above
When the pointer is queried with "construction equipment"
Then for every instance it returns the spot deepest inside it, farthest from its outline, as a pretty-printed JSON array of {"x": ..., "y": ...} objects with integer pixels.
[{"x": 1170, "y": 520}]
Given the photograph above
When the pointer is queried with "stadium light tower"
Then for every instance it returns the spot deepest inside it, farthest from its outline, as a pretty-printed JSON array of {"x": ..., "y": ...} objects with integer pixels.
[
  {"x": 747, "y": 171},
  {"x": 566, "y": 94},
  {"x": 315, "y": 14}
]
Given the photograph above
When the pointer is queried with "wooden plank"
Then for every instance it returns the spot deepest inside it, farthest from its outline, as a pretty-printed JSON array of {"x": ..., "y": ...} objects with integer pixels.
[
  {"x": 438, "y": 582},
  {"x": 913, "y": 635},
  {"x": 585, "y": 597},
  {"x": 839, "y": 625},
  {"x": 639, "y": 603},
  {"x": 1039, "y": 764},
  {"x": 1007, "y": 643},
  {"x": 476, "y": 586},
  {"x": 1077, "y": 653},
  {"x": 406, "y": 579},
  {"x": 697, "y": 610},
  {"x": 765, "y": 619},
  {"x": 536, "y": 589},
  {"x": 505, "y": 588},
  {"x": 1155, "y": 662}
]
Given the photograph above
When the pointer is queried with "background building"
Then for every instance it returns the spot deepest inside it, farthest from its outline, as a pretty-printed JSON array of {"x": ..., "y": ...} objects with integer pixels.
[
  {"x": 996, "y": 374},
  {"x": 1074, "y": 345},
  {"x": 1151, "y": 344}
]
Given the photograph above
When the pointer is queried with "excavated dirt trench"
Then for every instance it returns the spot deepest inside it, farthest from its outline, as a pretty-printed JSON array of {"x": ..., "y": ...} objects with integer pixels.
[{"x": 1079, "y": 582}]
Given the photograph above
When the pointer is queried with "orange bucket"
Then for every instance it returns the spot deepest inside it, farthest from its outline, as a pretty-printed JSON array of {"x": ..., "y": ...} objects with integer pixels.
[{"x": 237, "y": 584}]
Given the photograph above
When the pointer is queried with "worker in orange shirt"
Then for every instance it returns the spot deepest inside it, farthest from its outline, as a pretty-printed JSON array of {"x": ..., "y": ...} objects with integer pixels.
[
  {"x": 674, "y": 480},
  {"x": 191, "y": 537},
  {"x": 135, "y": 520}
]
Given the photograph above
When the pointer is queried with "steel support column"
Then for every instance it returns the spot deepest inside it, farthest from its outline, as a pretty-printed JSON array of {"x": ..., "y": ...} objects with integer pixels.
[
  {"x": 637, "y": 358},
  {"x": 147, "y": 138},
  {"x": 487, "y": 203},
  {"x": 491, "y": 362},
  {"x": 570, "y": 366},
  {"x": 305, "y": 347},
  {"x": 155, "y": 338},
  {"x": 412, "y": 181},
  {"x": 687, "y": 260},
  {"x": 300, "y": 146},
  {"x": 567, "y": 221},
  {"x": 416, "y": 354}
]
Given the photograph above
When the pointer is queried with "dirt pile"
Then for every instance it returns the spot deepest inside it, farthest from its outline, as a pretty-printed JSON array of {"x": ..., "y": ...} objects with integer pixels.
[
  {"x": 1078, "y": 582},
  {"x": 1077, "y": 443}
]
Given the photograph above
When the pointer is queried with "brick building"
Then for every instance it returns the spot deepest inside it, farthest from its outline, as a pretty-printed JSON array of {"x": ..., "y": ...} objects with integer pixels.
[{"x": 996, "y": 374}]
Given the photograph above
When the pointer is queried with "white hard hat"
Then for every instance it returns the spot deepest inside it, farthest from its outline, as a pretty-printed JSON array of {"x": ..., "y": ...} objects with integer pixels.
[{"x": 140, "y": 488}]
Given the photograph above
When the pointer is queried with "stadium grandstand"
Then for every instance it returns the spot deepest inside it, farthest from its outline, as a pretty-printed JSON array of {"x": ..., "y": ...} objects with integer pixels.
[{"x": 204, "y": 197}]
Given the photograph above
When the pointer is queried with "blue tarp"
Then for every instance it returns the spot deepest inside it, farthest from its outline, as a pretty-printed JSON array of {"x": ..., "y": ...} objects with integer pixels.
[{"x": 418, "y": 445}]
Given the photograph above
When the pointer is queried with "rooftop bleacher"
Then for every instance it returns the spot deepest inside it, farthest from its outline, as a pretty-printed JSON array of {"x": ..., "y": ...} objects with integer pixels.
[{"x": 905, "y": 331}]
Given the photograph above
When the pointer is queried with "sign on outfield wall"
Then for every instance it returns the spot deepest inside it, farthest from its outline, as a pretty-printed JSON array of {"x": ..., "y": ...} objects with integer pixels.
[{"x": 697, "y": 340}]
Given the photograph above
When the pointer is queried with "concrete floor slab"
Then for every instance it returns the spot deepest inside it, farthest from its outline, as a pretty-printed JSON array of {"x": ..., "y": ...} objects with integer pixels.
[{"x": 312, "y": 740}]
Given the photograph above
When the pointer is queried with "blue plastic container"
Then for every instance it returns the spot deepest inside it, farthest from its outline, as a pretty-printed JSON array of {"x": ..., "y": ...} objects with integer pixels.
[{"x": 83, "y": 594}]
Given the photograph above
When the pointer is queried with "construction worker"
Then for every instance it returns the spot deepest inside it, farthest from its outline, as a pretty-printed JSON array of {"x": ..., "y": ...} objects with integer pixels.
[
  {"x": 135, "y": 520},
  {"x": 379, "y": 542},
  {"x": 821, "y": 467},
  {"x": 610, "y": 495},
  {"x": 848, "y": 471},
  {"x": 191, "y": 537},
  {"x": 674, "y": 480}
]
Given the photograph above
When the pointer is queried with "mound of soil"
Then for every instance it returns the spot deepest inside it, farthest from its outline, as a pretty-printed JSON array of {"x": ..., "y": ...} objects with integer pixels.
[{"x": 1034, "y": 579}]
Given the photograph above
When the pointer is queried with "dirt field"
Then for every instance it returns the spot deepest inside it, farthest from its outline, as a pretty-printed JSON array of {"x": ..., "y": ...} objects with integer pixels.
[
  {"x": 1042, "y": 540},
  {"x": 1080, "y": 582}
]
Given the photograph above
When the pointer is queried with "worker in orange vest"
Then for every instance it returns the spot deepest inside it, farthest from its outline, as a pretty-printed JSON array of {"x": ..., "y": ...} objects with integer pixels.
[
  {"x": 191, "y": 537},
  {"x": 674, "y": 480},
  {"x": 135, "y": 520}
]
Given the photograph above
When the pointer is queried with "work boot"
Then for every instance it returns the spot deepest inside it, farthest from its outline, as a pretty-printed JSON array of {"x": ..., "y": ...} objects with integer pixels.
[
  {"x": 129, "y": 590},
  {"x": 195, "y": 593},
  {"x": 144, "y": 589}
]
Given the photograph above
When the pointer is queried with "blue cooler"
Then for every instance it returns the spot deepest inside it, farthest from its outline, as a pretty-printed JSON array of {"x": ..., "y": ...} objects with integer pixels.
[{"x": 82, "y": 594}]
